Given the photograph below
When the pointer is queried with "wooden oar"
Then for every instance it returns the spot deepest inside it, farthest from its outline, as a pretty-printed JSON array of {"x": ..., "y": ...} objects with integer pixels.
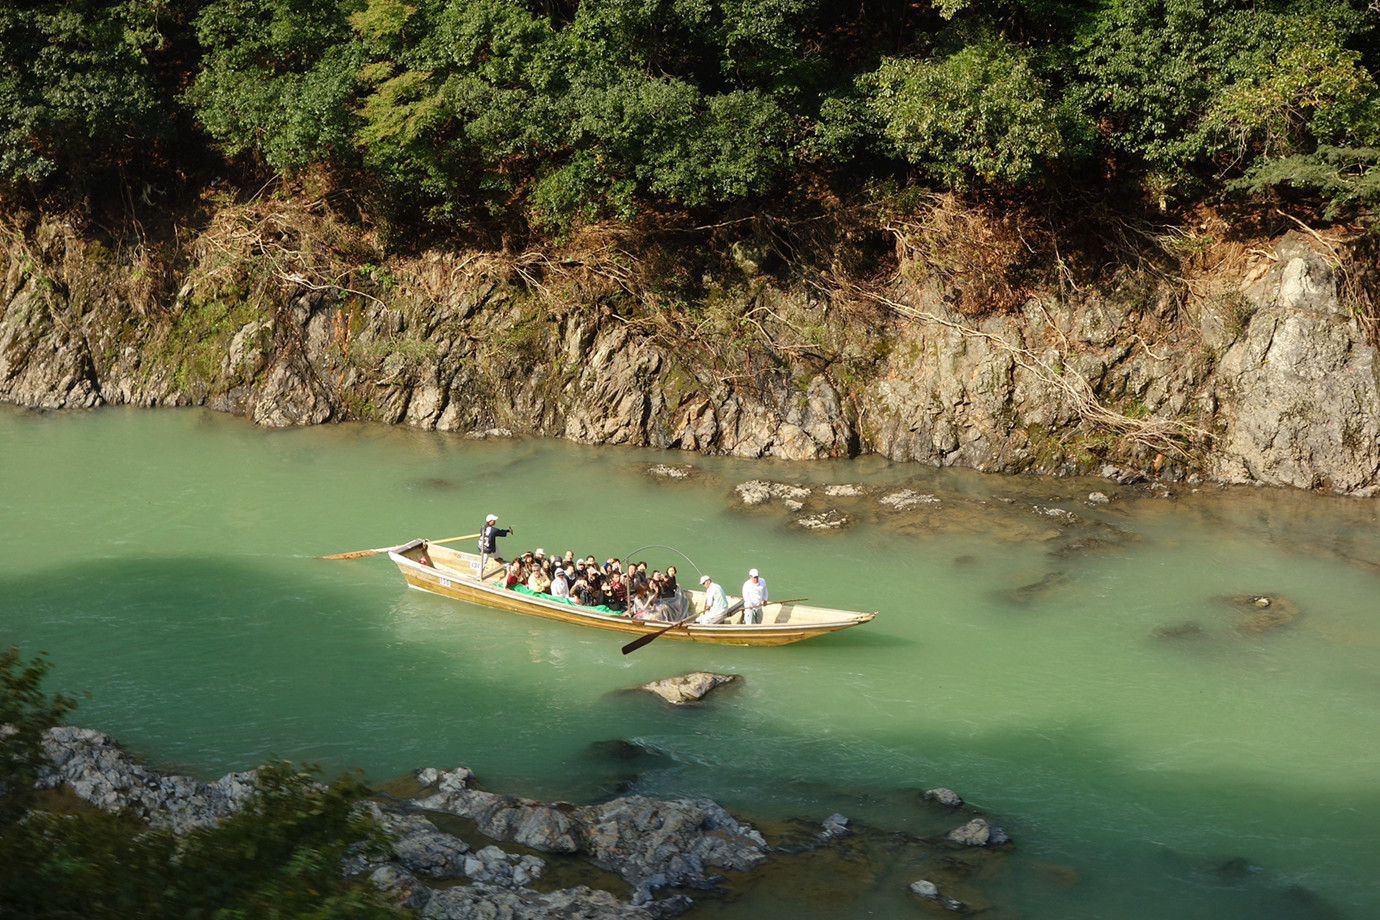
[
  {"x": 640, "y": 641},
  {"x": 388, "y": 549}
]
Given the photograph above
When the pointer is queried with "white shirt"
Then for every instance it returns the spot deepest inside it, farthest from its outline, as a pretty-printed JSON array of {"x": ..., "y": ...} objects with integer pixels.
[
  {"x": 755, "y": 592},
  {"x": 715, "y": 604}
]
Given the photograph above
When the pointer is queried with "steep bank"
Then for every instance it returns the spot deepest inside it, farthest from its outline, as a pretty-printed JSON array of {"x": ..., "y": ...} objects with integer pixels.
[{"x": 1232, "y": 359}]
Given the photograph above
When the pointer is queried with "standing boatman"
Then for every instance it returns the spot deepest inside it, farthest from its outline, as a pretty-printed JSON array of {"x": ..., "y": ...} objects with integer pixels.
[
  {"x": 754, "y": 597},
  {"x": 488, "y": 542}
]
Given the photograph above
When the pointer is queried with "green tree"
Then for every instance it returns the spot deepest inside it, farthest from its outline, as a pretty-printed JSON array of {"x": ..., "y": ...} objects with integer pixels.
[
  {"x": 979, "y": 114},
  {"x": 278, "y": 79},
  {"x": 1184, "y": 86},
  {"x": 26, "y": 713},
  {"x": 77, "y": 93}
]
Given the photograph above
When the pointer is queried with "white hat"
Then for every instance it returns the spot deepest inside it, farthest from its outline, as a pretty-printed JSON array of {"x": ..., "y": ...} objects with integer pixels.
[
  {"x": 704, "y": 579},
  {"x": 491, "y": 518},
  {"x": 540, "y": 551},
  {"x": 752, "y": 573}
]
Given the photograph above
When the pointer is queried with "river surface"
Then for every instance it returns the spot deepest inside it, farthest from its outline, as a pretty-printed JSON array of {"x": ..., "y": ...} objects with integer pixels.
[{"x": 1093, "y": 678}]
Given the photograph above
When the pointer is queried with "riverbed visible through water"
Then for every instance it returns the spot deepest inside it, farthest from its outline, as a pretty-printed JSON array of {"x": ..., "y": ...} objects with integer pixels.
[{"x": 1098, "y": 679}]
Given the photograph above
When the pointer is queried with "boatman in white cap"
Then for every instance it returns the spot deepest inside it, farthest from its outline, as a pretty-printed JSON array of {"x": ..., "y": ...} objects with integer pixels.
[
  {"x": 488, "y": 542},
  {"x": 754, "y": 597},
  {"x": 715, "y": 603}
]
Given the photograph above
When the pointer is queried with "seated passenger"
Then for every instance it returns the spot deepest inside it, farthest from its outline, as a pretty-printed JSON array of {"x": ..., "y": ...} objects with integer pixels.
[
  {"x": 539, "y": 581},
  {"x": 642, "y": 602},
  {"x": 668, "y": 583},
  {"x": 560, "y": 588}
]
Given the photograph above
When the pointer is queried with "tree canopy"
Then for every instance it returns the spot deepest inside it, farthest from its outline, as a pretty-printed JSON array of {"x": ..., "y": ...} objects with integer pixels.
[{"x": 567, "y": 109}]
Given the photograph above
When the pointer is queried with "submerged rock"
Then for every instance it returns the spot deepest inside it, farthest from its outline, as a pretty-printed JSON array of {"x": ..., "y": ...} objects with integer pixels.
[
  {"x": 1264, "y": 612},
  {"x": 978, "y": 833},
  {"x": 1180, "y": 631},
  {"x": 760, "y": 491},
  {"x": 688, "y": 688},
  {"x": 1036, "y": 590},
  {"x": 906, "y": 499},
  {"x": 671, "y": 470},
  {"x": 923, "y": 888},
  {"x": 834, "y": 827},
  {"x": 943, "y": 796},
  {"x": 825, "y": 520}
]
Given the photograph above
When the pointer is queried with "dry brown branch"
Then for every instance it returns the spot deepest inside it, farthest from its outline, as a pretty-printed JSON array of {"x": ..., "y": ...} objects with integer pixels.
[{"x": 1162, "y": 435}]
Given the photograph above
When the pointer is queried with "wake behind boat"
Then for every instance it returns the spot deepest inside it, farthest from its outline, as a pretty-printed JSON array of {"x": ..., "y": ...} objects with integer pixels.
[{"x": 428, "y": 566}]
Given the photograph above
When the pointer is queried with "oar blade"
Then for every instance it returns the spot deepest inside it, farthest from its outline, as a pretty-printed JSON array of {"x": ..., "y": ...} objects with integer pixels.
[
  {"x": 358, "y": 553},
  {"x": 640, "y": 641}
]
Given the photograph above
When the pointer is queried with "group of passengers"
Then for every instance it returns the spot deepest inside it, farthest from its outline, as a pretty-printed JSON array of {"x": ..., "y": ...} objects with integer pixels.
[{"x": 636, "y": 593}]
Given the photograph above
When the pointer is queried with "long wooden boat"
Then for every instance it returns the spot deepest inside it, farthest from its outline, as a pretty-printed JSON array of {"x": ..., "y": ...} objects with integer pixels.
[{"x": 453, "y": 573}]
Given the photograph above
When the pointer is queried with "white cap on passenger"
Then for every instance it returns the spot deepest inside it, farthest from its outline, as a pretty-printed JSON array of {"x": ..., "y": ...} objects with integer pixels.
[
  {"x": 704, "y": 579},
  {"x": 752, "y": 573},
  {"x": 540, "y": 551},
  {"x": 491, "y": 518}
]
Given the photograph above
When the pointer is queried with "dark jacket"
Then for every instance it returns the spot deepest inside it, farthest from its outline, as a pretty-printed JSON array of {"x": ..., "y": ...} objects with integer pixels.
[{"x": 488, "y": 539}]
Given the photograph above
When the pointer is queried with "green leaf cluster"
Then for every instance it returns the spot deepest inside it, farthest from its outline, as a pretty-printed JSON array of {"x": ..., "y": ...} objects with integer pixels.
[
  {"x": 550, "y": 111},
  {"x": 76, "y": 88}
]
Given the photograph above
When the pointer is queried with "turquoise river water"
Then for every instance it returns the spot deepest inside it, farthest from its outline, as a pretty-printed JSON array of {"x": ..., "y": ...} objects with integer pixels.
[{"x": 1092, "y": 682}]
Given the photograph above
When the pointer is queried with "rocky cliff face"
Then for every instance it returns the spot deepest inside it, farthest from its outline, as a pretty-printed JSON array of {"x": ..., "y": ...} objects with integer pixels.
[{"x": 1255, "y": 374}]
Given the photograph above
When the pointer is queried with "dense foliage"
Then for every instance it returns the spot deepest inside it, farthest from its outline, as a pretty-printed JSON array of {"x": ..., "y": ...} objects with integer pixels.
[
  {"x": 279, "y": 858},
  {"x": 559, "y": 109}
]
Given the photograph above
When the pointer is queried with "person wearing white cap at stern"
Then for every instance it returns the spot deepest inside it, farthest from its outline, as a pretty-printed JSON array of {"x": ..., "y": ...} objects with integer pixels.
[
  {"x": 488, "y": 541},
  {"x": 715, "y": 603},
  {"x": 754, "y": 597}
]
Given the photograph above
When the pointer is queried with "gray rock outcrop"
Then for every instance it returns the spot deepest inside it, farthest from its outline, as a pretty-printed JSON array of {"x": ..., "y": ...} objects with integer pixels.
[
  {"x": 649, "y": 842},
  {"x": 1297, "y": 394},
  {"x": 1262, "y": 376}
]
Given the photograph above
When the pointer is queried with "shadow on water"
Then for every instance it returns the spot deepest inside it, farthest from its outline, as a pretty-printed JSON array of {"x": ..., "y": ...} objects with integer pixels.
[{"x": 295, "y": 658}]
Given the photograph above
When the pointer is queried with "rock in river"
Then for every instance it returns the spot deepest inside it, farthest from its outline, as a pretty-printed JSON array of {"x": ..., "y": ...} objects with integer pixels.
[{"x": 688, "y": 688}]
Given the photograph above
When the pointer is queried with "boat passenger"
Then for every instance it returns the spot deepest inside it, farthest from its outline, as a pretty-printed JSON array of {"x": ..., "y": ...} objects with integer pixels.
[
  {"x": 560, "y": 588},
  {"x": 538, "y": 581},
  {"x": 615, "y": 593},
  {"x": 488, "y": 542},
  {"x": 638, "y": 575},
  {"x": 715, "y": 602},
  {"x": 668, "y": 584},
  {"x": 754, "y": 597},
  {"x": 583, "y": 594},
  {"x": 514, "y": 576},
  {"x": 642, "y": 602}
]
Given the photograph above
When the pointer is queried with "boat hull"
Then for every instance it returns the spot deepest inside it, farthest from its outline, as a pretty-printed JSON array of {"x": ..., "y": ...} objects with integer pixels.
[{"x": 455, "y": 574}]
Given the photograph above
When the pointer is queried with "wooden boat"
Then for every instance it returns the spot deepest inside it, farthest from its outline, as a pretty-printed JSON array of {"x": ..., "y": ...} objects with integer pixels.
[{"x": 453, "y": 573}]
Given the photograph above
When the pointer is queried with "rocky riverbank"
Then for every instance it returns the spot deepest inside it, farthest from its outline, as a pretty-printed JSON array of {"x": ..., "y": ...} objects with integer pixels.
[
  {"x": 1256, "y": 368},
  {"x": 645, "y": 858}
]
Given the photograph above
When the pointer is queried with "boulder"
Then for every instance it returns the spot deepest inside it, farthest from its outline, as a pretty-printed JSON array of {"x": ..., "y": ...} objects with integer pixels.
[
  {"x": 977, "y": 833},
  {"x": 929, "y": 891},
  {"x": 688, "y": 688},
  {"x": 834, "y": 827},
  {"x": 943, "y": 796},
  {"x": 640, "y": 838}
]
